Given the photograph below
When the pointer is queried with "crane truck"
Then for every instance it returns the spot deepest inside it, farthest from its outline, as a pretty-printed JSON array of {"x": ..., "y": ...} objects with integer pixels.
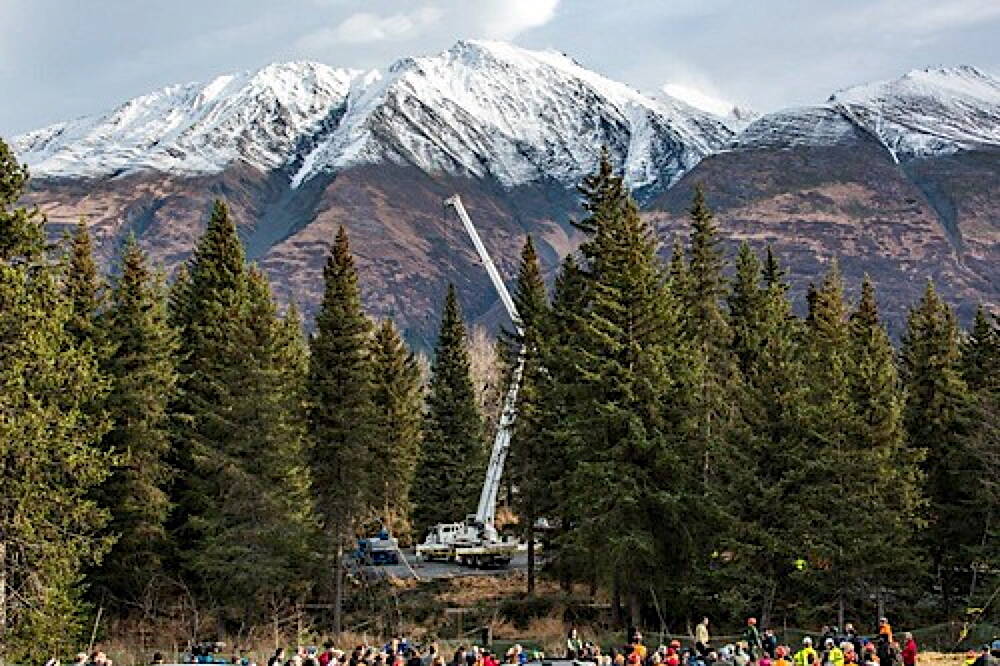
[{"x": 476, "y": 542}]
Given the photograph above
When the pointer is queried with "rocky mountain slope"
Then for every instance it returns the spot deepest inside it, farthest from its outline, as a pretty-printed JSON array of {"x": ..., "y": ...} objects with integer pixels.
[{"x": 900, "y": 179}]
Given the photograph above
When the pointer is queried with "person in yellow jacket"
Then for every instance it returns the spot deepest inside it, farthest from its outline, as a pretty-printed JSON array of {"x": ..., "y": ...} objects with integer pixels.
[
  {"x": 807, "y": 655},
  {"x": 832, "y": 655}
]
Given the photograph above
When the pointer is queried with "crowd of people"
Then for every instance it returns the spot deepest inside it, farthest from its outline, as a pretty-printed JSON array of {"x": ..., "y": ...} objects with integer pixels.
[
  {"x": 761, "y": 647},
  {"x": 755, "y": 647},
  {"x": 399, "y": 652}
]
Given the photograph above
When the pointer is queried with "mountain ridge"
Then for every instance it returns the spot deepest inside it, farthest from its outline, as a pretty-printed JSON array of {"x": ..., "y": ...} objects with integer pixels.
[{"x": 900, "y": 177}]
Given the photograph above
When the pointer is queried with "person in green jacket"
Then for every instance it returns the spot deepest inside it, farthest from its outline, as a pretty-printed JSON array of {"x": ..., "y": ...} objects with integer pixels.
[{"x": 752, "y": 638}]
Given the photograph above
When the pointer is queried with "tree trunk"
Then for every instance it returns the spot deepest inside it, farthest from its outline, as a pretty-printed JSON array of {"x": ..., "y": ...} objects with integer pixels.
[
  {"x": 531, "y": 553},
  {"x": 975, "y": 570},
  {"x": 768, "y": 606},
  {"x": 338, "y": 587},
  {"x": 616, "y": 603},
  {"x": 3, "y": 597},
  {"x": 634, "y": 611},
  {"x": 840, "y": 608}
]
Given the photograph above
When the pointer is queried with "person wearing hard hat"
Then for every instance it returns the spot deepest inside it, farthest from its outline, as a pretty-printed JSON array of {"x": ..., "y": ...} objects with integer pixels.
[
  {"x": 807, "y": 655},
  {"x": 885, "y": 629},
  {"x": 832, "y": 655}
]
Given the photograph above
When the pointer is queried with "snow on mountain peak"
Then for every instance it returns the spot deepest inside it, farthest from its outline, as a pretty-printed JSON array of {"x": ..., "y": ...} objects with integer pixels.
[
  {"x": 257, "y": 117},
  {"x": 927, "y": 111},
  {"x": 493, "y": 109},
  {"x": 480, "y": 108},
  {"x": 487, "y": 109}
]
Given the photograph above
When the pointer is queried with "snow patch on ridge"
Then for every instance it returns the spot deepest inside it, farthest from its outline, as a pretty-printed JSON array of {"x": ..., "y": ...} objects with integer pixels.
[{"x": 928, "y": 111}]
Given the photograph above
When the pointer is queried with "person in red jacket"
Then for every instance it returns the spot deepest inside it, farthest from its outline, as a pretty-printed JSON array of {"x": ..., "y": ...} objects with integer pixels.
[{"x": 909, "y": 650}]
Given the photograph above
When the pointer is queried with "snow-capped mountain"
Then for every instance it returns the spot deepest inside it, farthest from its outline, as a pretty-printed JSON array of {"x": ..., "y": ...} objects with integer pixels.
[
  {"x": 260, "y": 117},
  {"x": 492, "y": 109},
  {"x": 485, "y": 109},
  {"x": 900, "y": 179},
  {"x": 926, "y": 112}
]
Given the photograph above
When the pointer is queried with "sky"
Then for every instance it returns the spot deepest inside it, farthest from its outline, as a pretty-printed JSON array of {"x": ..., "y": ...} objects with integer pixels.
[{"x": 61, "y": 59}]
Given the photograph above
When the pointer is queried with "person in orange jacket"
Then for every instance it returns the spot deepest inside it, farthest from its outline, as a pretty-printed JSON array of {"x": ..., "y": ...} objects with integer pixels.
[
  {"x": 781, "y": 656},
  {"x": 885, "y": 629}
]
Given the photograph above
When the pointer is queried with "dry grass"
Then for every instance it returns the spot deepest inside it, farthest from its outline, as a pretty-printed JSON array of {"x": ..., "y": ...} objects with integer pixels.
[
  {"x": 939, "y": 659},
  {"x": 473, "y": 589}
]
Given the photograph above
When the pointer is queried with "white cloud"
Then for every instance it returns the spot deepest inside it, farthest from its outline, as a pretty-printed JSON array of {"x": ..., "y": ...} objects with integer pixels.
[
  {"x": 506, "y": 19},
  {"x": 924, "y": 17},
  {"x": 366, "y": 27}
]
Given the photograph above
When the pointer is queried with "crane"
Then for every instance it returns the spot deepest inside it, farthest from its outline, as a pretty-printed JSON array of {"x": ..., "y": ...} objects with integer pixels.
[{"x": 476, "y": 541}]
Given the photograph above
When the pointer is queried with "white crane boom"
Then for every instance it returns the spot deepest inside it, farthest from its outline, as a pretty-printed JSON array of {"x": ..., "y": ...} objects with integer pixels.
[
  {"x": 455, "y": 202},
  {"x": 486, "y": 512}
]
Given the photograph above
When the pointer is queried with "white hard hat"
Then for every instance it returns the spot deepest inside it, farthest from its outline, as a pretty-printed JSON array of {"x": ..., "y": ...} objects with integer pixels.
[{"x": 807, "y": 641}]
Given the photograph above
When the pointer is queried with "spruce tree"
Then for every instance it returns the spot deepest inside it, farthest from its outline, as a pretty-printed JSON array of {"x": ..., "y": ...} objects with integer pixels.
[
  {"x": 143, "y": 377},
  {"x": 82, "y": 286},
  {"x": 826, "y": 504},
  {"x": 531, "y": 465},
  {"x": 257, "y": 534},
  {"x": 890, "y": 466},
  {"x": 622, "y": 424},
  {"x": 50, "y": 528},
  {"x": 205, "y": 307},
  {"x": 450, "y": 471},
  {"x": 940, "y": 416},
  {"x": 773, "y": 404},
  {"x": 340, "y": 408},
  {"x": 773, "y": 274},
  {"x": 397, "y": 397},
  {"x": 746, "y": 303},
  {"x": 558, "y": 398},
  {"x": 716, "y": 438}
]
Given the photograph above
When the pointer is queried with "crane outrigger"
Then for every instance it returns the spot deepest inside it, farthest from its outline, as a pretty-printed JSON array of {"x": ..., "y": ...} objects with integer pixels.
[{"x": 476, "y": 542}]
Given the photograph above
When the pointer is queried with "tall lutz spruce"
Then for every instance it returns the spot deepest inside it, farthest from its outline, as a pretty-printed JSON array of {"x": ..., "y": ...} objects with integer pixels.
[
  {"x": 340, "y": 410},
  {"x": 940, "y": 415},
  {"x": 142, "y": 371},
  {"x": 766, "y": 343},
  {"x": 624, "y": 420},
  {"x": 204, "y": 304},
  {"x": 534, "y": 465},
  {"x": 397, "y": 398},
  {"x": 888, "y": 461},
  {"x": 254, "y": 555},
  {"x": 50, "y": 462},
  {"x": 450, "y": 471}
]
